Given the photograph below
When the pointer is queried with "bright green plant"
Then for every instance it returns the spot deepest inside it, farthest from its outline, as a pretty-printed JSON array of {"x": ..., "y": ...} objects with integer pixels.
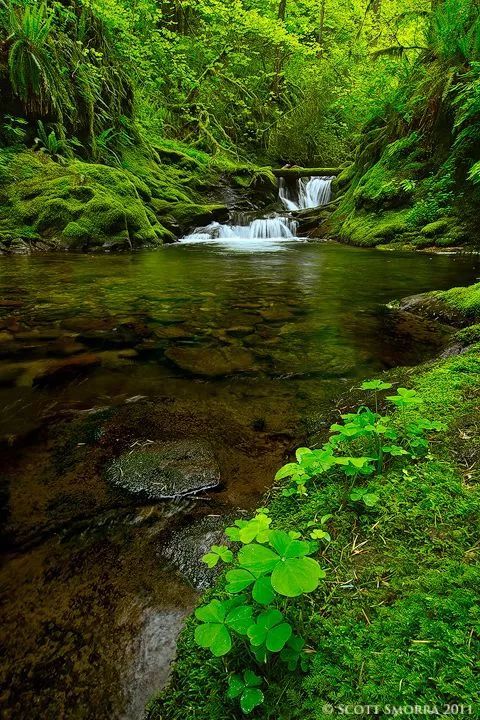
[
  {"x": 48, "y": 142},
  {"x": 363, "y": 495},
  {"x": 269, "y": 568},
  {"x": 14, "y": 130},
  {"x": 362, "y": 443},
  {"x": 247, "y": 689},
  {"x": 33, "y": 73}
]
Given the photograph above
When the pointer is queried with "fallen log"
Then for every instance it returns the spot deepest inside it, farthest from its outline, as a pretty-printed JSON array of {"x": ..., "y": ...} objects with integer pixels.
[{"x": 296, "y": 172}]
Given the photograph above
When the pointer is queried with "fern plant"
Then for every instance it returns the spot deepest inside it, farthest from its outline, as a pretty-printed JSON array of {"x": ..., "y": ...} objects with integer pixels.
[{"x": 32, "y": 71}]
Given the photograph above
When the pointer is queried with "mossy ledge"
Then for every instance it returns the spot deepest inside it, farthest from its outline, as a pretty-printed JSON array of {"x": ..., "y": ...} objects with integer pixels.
[
  {"x": 154, "y": 195},
  {"x": 396, "y": 622},
  {"x": 408, "y": 194}
]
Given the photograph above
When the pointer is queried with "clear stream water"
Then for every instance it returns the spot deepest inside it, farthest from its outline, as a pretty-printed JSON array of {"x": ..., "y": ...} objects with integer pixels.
[{"x": 91, "y": 609}]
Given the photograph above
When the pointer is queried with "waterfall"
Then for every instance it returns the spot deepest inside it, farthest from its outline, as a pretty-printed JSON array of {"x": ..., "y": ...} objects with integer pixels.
[
  {"x": 308, "y": 192},
  {"x": 268, "y": 233},
  {"x": 263, "y": 229}
]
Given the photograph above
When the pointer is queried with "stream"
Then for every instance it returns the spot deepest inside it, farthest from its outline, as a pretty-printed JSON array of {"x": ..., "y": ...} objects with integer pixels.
[{"x": 228, "y": 348}]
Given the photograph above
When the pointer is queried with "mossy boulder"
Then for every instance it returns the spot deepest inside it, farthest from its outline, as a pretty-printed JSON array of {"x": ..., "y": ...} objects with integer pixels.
[
  {"x": 439, "y": 227},
  {"x": 469, "y": 335},
  {"x": 76, "y": 206},
  {"x": 459, "y": 306},
  {"x": 369, "y": 230},
  {"x": 166, "y": 470}
]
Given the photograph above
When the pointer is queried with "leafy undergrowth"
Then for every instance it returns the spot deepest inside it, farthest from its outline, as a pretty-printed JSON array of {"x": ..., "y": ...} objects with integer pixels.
[{"x": 396, "y": 620}]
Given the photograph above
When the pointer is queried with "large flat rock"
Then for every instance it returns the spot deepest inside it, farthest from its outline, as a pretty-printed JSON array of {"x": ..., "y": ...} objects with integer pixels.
[
  {"x": 211, "y": 361},
  {"x": 165, "y": 470}
]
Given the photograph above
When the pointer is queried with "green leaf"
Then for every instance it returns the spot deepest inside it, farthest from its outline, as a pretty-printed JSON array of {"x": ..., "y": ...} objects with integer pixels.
[
  {"x": 394, "y": 450},
  {"x": 286, "y": 546},
  {"x": 257, "y": 558},
  {"x": 238, "y": 580},
  {"x": 296, "y": 576},
  {"x": 278, "y": 636},
  {"x": 263, "y": 592},
  {"x": 213, "y": 612},
  {"x": 320, "y": 535},
  {"x": 376, "y": 385},
  {"x": 370, "y": 499},
  {"x": 269, "y": 618},
  {"x": 255, "y": 529},
  {"x": 251, "y": 679},
  {"x": 235, "y": 687},
  {"x": 210, "y": 559},
  {"x": 250, "y": 699},
  {"x": 287, "y": 471},
  {"x": 301, "y": 452},
  {"x": 217, "y": 552},
  {"x": 240, "y": 619},
  {"x": 215, "y": 637},
  {"x": 257, "y": 634}
]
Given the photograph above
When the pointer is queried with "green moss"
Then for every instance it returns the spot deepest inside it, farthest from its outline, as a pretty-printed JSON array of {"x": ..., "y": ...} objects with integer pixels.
[
  {"x": 381, "y": 189},
  {"x": 464, "y": 300},
  {"x": 468, "y": 335},
  {"x": 368, "y": 230},
  {"x": 78, "y": 205},
  {"x": 439, "y": 227},
  {"x": 395, "y": 622}
]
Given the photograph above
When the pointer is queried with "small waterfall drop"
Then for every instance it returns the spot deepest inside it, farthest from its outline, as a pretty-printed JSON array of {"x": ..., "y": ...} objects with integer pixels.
[
  {"x": 309, "y": 192},
  {"x": 268, "y": 233}
]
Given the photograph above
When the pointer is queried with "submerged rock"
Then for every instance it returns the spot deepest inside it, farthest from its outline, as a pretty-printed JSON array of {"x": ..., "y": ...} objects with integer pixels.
[
  {"x": 188, "y": 544},
  {"x": 165, "y": 470},
  {"x": 59, "y": 371},
  {"x": 211, "y": 361}
]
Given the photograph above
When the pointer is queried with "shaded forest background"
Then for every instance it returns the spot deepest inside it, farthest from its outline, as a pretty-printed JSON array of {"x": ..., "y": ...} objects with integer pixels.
[{"x": 311, "y": 82}]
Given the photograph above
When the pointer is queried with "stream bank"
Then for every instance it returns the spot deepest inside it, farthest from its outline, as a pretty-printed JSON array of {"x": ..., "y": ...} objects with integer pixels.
[{"x": 395, "y": 622}]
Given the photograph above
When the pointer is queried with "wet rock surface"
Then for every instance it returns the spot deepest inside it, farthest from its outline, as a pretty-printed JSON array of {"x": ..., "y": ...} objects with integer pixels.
[
  {"x": 211, "y": 361},
  {"x": 188, "y": 544},
  {"x": 166, "y": 470}
]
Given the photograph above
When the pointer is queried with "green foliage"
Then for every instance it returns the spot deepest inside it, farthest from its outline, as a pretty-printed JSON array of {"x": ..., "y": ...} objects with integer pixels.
[
  {"x": 271, "y": 565},
  {"x": 247, "y": 689},
  {"x": 378, "y": 439},
  {"x": 395, "y": 621}
]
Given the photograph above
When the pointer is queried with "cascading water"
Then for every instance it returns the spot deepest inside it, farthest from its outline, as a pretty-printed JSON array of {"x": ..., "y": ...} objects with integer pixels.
[
  {"x": 267, "y": 233},
  {"x": 308, "y": 193}
]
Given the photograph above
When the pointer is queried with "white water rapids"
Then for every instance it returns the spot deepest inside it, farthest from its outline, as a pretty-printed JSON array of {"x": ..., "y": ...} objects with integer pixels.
[
  {"x": 308, "y": 193},
  {"x": 268, "y": 234}
]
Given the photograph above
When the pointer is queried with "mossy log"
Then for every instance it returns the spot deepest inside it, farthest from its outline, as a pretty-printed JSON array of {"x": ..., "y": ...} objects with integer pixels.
[{"x": 296, "y": 172}]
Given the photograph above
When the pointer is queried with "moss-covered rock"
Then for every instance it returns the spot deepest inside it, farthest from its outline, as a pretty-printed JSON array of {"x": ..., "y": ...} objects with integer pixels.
[
  {"x": 75, "y": 206},
  {"x": 458, "y": 306},
  {"x": 154, "y": 195},
  {"x": 469, "y": 335},
  {"x": 369, "y": 230},
  {"x": 166, "y": 470}
]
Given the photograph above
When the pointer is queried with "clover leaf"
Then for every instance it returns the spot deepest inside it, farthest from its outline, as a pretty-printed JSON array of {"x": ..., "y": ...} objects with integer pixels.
[
  {"x": 292, "y": 573},
  {"x": 405, "y": 398},
  {"x": 364, "y": 495},
  {"x": 270, "y": 630},
  {"x": 375, "y": 385},
  {"x": 218, "y": 619},
  {"x": 217, "y": 552},
  {"x": 247, "y": 689},
  {"x": 293, "y": 653}
]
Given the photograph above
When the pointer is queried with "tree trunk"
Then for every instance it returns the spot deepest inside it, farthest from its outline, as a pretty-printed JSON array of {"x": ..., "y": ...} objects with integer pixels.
[{"x": 282, "y": 9}]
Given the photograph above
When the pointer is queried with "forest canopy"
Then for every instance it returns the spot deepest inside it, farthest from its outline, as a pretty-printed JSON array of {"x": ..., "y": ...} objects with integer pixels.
[{"x": 286, "y": 79}]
